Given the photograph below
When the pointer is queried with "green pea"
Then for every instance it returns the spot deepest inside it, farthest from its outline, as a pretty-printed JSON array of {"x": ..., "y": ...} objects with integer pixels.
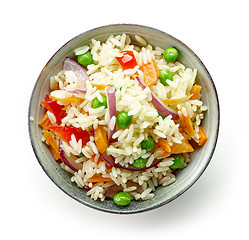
[
  {"x": 170, "y": 54},
  {"x": 148, "y": 144},
  {"x": 177, "y": 162},
  {"x": 140, "y": 162},
  {"x": 123, "y": 119},
  {"x": 122, "y": 198},
  {"x": 81, "y": 155},
  {"x": 85, "y": 59},
  {"x": 96, "y": 103},
  {"x": 164, "y": 75}
]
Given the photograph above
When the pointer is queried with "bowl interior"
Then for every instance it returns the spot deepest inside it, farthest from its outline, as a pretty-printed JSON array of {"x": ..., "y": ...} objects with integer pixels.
[{"x": 199, "y": 159}]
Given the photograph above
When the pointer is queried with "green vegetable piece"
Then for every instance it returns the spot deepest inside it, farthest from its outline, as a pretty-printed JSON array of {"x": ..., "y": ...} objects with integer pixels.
[
  {"x": 123, "y": 119},
  {"x": 161, "y": 115},
  {"x": 178, "y": 162},
  {"x": 164, "y": 75},
  {"x": 140, "y": 162},
  {"x": 96, "y": 103},
  {"x": 148, "y": 144},
  {"x": 122, "y": 198},
  {"x": 85, "y": 59},
  {"x": 170, "y": 54},
  {"x": 81, "y": 155}
]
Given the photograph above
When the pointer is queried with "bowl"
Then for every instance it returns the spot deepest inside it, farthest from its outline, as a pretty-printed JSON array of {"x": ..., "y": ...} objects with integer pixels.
[{"x": 184, "y": 178}]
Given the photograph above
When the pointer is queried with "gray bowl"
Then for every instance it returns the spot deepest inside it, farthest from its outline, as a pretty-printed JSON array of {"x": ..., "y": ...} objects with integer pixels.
[{"x": 199, "y": 159}]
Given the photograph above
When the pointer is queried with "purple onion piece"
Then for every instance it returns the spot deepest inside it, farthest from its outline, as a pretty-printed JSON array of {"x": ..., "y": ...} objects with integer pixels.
[
  {"x": 69, "y": 161},
  {"x": 77, "y": 91},
  {"x": 110, "y": 160},
  {"x": 112, "y": 110},
  {"x": 79, "y": 70},
  {"x": 161, "y": 108}
]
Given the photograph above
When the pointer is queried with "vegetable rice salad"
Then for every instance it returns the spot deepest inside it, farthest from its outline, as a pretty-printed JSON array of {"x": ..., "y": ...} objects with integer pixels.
[{"x": 123, "y": 118}]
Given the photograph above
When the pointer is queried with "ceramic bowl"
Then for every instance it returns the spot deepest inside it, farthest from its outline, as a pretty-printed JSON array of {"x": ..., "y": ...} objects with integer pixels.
[{"x": 199, "y": 159}]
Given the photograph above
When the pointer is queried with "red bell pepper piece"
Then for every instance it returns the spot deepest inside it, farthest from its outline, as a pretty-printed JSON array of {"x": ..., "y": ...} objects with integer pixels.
[
  {"x": 53, "y": 107},
  {"x": 128, "y": 60},
  {"x": 65, "y": 133}
]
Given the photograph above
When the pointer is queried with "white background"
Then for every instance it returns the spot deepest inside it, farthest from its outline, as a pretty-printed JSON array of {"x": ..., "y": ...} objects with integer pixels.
[{"x": 216, "y": 207}]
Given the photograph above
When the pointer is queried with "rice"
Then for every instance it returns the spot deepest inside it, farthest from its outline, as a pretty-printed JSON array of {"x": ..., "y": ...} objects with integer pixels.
[{"x": 145, "y": 122}]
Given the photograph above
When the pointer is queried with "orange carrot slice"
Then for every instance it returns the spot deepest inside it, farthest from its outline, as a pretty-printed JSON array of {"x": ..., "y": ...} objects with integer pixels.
[
  {"x": 100, "y": 139},
  {"x": 151, "y": 73},
  {"x": 195, "y": 91},
  {"x": 98, "y": 178},
  {"x": 187, "y": 121},
  {"x": 45, "y": 121},
  {"x": 68, "y": 100},
  {"x": 53, "y": 143},
  {"x": 100, "y": 86},
  {"x": 202, "y": 136},
  {"x": 176, "y": 100},
  {"x": 163, "y": 143}
]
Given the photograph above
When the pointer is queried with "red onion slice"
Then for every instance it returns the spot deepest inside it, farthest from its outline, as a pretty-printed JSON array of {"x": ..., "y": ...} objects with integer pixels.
[
  {"x": 161, "y": 108},
  {"x": 79, "y": 70},
  {"x": 77, "y": 91},
  {"x": 110, "y": 160},
  {"x": 69, "y": 161},
  {"x": 112, "y": 110}
]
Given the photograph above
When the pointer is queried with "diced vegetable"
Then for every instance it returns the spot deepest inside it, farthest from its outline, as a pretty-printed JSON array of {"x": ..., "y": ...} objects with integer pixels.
[
  {"x": 68, "y": 100},
  {"x": 148, "y": 144},
  {"x": 171, "y": 54},
  {"x": 69, "y": 161},
  {"x": 161, "y": 108},
  {"x": 98, "y": 178},
  {"x": 45, "y": 121},
  {"x": 195, "y": 91},
  {"x": 151, "y": 73},
  {"x": 65, "y": 133},
  {"x": 164, "y": 75},
  {"x": 123, "y": 120},
  {"x": 128, "y": 60},
  {"x": 52, "y": 106},
  {"x": 177, "y": 162},
  {"x": 187, "y": 121},
  {"x": 85, "y": 59},
  {"x": 53, "y": 143},
  {"x": 163, "y": 143},
  {"x": 183, "y": 147},
  {"x": 111, "y": 99},
  {"x": 202, "y": 136},
  {"x": 100, "y": 139},
  {"x": 122, "y": 198},
  {"x": 79, "y": 70},
  {"x": 100, "y": 86},
  {"x": 176, "y": 100},
  {"x": 97, "y": 104},
  {"x": 140, "y": 162}
]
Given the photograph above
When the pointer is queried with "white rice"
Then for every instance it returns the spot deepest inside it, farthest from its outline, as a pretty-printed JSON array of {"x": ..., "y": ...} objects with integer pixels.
[{"x": 130, "y": 98}]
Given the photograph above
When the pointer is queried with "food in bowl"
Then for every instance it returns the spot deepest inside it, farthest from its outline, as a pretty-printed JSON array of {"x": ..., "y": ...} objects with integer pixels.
[{"x": 122, "y": 118}]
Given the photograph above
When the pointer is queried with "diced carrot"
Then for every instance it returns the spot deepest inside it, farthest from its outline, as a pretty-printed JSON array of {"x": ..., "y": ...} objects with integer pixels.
[
  {"x": 195, "y": 91},
  {"x": 100, "y": 86},
  {"x": 98, "y": 178},
  {"x": 55, "y": 154},
  {"x": 45, "y": 121},
  {"x": 53, "y": 143},
  {"x": 187, "y": 121},
  {"x": 151, "y": 73},
  {"x": 202, "y": 136},
  {"x": 183, "y": 147},
  {"x": 163, "y": 143},
  {"x": 68, "y": 100},
  {"x": 176, "y": 100},
  {"x": 100, "y": 139}
]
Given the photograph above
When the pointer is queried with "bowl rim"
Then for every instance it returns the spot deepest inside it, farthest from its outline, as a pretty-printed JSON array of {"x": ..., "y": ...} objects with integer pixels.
[{"x": 151, "y": 207}]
